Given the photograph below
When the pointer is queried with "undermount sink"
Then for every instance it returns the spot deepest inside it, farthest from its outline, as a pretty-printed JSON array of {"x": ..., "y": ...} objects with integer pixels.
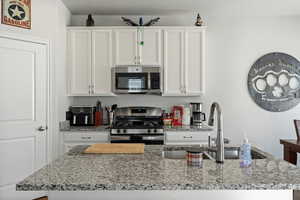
[
  {"x": 181, "y": 154},
  {"x": 234, "y": 152},
  {"x": 209, "y": 153}
]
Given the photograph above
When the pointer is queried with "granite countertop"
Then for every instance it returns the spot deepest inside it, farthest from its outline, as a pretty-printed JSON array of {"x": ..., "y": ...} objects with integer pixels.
[
  {"x": 104, "y": 128},
  {"x": 190, "y": 128},
  {"x": 75, "y": 171}
]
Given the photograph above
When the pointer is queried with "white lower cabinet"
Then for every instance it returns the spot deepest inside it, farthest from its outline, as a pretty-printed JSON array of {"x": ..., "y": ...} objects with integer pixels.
[
  {"x": 72, "y": 139},
  {"x": 186, "y": 138}
]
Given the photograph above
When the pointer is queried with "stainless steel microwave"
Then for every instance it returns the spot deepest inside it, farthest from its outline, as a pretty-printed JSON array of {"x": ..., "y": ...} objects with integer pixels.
[{"x": 136, "y": 80}]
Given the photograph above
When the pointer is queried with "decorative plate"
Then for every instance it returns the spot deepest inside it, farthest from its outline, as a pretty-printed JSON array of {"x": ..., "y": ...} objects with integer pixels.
[{"x": 274, "y": 82}]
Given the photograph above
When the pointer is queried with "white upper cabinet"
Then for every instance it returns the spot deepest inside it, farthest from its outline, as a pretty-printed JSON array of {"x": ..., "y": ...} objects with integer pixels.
[
  {"x": 92, "y": 52},
  {"x": 126, "y": 47},
  {"x": 89, "y": 62},
  {"x": 173, "y": 62},
  {"x": 101, "y": 63},
  {"x": 138, "y": 46},
  {"x": 150, "y": 47},
  {"x": 194, "y": 62},
  {"x": 184, "y": 62},
  {"x": 79, "y": 62}
]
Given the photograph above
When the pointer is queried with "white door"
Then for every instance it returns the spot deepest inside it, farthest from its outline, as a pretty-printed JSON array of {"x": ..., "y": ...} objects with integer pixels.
[
  {"x": 79, "y": 62},
  {"x": 126, "y": 47},
  {"x": 194, "y": 62},
  {"x": 101, "y": 62},
  {"x": 23, "y": 89},
  {"x": 150, "y": 50},
  {"x": 173, "y": 62}
]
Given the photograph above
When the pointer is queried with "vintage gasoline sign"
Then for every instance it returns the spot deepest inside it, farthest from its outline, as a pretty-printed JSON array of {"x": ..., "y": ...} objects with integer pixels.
[{"x": 16, "y": 13}]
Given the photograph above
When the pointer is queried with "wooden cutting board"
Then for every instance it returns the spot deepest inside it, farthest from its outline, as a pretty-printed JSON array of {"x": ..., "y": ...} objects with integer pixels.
[{"x": 116, "y": 148}]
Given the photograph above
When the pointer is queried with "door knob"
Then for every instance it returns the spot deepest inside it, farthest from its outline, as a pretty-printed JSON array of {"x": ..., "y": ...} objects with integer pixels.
[{"x": 41, "y": 128}]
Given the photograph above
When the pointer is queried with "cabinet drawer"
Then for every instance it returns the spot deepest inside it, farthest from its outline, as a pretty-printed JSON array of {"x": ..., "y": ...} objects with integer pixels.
[
  {"x": 86, "y": 137},
  {"x": 186, "y": 137}
]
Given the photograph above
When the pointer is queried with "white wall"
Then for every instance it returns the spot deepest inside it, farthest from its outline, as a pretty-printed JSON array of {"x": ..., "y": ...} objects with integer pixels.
[
  {"x": 62, "y": 101},
  {"x": 49, "y": 19},
  {"x": 233, "y": 45}
]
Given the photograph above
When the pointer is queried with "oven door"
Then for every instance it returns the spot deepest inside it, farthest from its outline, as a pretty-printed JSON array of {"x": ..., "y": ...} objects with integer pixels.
[{"x": 145, "y": 139}]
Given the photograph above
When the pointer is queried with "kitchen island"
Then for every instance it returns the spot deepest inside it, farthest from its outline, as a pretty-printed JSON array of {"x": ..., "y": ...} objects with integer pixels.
[{"x": 150, "y": 171}]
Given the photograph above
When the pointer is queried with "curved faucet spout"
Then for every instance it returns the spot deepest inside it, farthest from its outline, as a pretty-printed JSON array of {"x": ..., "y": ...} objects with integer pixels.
[{"x": 220, "y": 137}]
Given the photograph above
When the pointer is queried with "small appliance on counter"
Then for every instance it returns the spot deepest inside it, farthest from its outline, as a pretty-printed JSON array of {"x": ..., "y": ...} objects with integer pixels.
[
  {"x": 81, "y": 115},
  {"x": 197, "y": 115}
]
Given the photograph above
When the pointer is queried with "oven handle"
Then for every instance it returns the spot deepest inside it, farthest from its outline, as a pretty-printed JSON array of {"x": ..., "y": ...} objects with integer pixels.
[
  {"x": 153, "y": 137},
  {"x": 146, "y": 138}
]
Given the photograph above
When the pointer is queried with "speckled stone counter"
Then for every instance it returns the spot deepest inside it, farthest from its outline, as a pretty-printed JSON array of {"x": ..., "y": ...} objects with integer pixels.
[
  {"x": 88, "y": 129},
  {"x": 202, "y": 127},
  {"x": 150, "y": 171}
]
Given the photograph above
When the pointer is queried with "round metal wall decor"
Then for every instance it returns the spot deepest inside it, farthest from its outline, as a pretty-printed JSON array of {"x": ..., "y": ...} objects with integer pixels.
[{"x": 274, "y": 82}]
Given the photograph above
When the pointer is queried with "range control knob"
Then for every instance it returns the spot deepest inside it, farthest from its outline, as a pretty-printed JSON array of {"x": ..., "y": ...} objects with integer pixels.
[
  {"x": 149, "y": 131},
  {"x": 118, "y": 131},
  {"x": 124, "y": 131},
  {"x": 155, "y": 131}
]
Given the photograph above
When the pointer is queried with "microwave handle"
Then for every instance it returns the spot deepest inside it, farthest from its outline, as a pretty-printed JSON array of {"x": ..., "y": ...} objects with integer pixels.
[{"x": 149, "y": 82}]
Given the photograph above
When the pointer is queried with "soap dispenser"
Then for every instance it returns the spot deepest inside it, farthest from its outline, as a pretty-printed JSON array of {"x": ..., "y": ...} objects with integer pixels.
[{"x": 245, "y": 153}]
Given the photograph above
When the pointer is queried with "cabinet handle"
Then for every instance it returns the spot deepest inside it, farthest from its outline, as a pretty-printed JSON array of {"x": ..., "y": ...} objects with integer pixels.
[
  {"x": 187, "y": 137},
  {"x": 93, "y": 89},
  {"x": 86, "y": 138},
  {"x": 182, "y": 89}
]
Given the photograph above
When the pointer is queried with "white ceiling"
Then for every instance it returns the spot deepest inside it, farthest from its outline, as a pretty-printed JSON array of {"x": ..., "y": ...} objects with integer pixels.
[{"x": 205, "y": 7}]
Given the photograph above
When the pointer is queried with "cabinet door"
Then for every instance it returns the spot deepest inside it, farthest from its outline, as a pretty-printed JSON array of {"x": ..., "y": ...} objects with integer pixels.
[
  {"x": 194, "y": 62},
  {"x": 150, "y": 51},
  {"x": 126, "y": 47},
  {"x": 79, "y": 62},
  {"x": 101, "y": 62},
  {"x": 173, "y": 62}
]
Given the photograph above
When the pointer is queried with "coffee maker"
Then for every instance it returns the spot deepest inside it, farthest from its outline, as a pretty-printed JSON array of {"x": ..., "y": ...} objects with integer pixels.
[
  {"x": 197, "y": 114},
  {"x": 81, "y": 115}
]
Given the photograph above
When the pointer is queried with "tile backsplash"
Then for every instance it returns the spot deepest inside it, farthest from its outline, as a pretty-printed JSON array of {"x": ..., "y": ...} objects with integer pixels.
[{"x": 136, "y": 100}]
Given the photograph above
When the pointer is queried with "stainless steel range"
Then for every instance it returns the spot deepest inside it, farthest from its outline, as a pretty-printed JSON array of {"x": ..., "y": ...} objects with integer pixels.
[{"x": 137, "y": 125}]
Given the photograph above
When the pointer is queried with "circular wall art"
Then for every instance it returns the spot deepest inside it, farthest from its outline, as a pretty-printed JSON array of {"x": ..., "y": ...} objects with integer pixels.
[{"x": 274, "y": 82}]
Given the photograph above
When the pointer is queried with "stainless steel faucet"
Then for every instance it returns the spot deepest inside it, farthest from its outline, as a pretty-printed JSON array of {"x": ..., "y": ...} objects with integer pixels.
[{"x": 220, "y": 136}]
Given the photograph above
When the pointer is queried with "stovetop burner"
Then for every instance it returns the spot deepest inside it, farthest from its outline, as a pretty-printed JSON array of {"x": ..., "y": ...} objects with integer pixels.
[
  {"x": 140, "y": 124},
  {"x": 147, "y": 122}
]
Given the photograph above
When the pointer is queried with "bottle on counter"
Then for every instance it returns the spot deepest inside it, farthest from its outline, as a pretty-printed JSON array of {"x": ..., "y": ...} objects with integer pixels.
[
  {"x": 186, "y": 119},
  {"x": 245, "y": 153},
  {"x": 98, "y": 114}
]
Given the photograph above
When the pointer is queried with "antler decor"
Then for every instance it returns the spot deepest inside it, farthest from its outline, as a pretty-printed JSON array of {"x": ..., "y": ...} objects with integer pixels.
[
  {"x": 132, "y": 23},
  {"x": 152, "y": 22},
  {"x": 129, "y": 21}
]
